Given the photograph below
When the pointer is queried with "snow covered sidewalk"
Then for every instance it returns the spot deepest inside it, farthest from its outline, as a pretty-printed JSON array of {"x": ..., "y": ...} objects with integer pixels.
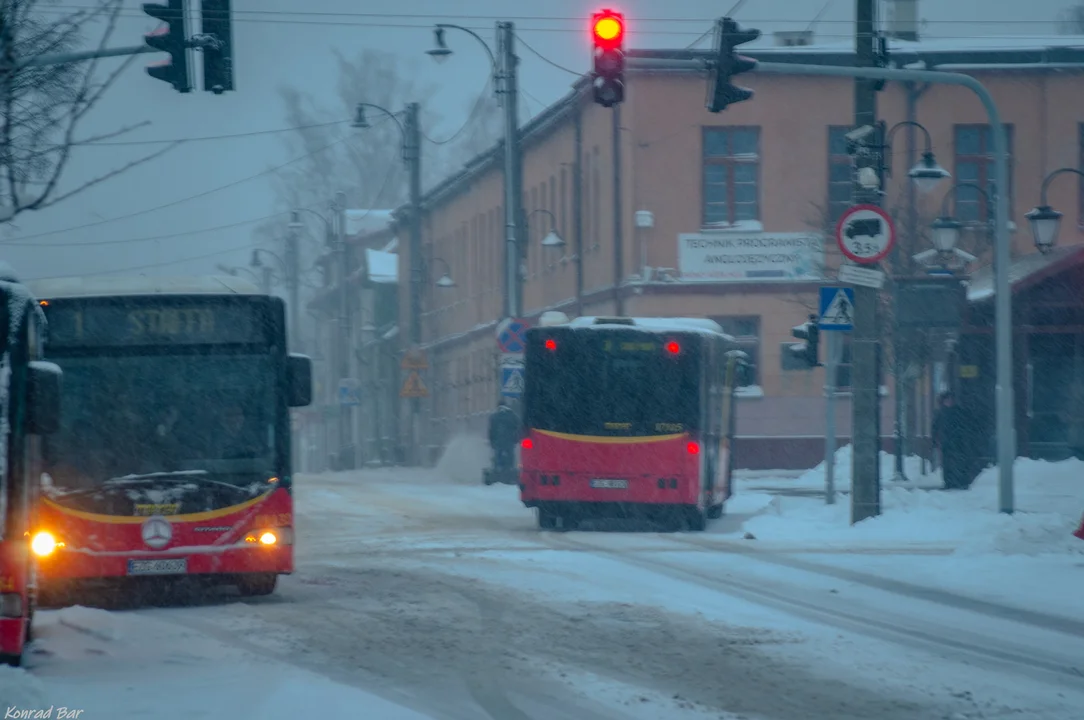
[
  {"x": 128, "y": 665},
  {"x": 958, "y": 540}
]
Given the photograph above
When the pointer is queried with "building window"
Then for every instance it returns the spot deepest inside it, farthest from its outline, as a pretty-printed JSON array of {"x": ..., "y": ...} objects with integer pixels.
[
  {"x": 975, "y": 164},
  {"x": 746, "y": 331},
  {"x": 731, "y": 175},
  {"x": 840, "y": 173},
  {"x": 564, "y": 205}
]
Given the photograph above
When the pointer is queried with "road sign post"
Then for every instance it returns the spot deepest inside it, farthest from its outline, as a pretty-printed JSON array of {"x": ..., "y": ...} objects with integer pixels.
[
  {"x": 349, "y": 392},
  {"x": 837, "y": 316},
  {"x": 413, "y": 362}
]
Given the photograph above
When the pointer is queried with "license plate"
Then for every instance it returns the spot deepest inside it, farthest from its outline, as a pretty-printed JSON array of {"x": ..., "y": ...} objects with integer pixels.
[
  {"x": 610, "y": 484},
  {"x": 177, "y": 566}
]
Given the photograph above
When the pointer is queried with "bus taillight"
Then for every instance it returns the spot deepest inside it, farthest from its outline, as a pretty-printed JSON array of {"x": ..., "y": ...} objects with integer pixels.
[
  {"x": 673, "y": 348},
  {"x": 551, "y": 344},
  {"x": 527, "y": 443},
  {"x": 693, "y": 448}
]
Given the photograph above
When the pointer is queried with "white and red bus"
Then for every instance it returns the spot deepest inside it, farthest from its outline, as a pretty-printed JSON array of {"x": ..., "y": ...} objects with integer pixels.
[
  {"x": 629, "y": 417},
  {"x": 29, "y": 408},
  {"x": 173, "y": 456}
]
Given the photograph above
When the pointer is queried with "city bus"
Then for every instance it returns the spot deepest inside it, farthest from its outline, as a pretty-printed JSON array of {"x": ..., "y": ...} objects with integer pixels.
[
  {"x": 629, "y": 417},
  {"x": 172, "y": 460},
  {"x": 29, "y": 408}
]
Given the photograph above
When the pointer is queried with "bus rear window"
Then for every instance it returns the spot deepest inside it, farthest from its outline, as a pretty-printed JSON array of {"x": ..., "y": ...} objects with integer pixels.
[{"x": 603, "y": 385}]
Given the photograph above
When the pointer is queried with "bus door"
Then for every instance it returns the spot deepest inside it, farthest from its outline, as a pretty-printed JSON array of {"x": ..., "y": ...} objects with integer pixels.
[
  {"x": 710, "y": 420},
  {"x": 732, "y": 374}
]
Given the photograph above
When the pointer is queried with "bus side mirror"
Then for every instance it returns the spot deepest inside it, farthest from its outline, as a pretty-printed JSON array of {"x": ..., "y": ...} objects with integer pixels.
[
  {"x": 43, "y": 397},
  {"x": 298, "y": 380}
]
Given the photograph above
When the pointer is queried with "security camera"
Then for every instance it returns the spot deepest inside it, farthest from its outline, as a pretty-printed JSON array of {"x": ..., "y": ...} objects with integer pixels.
[{"x": 860, "y": 134}]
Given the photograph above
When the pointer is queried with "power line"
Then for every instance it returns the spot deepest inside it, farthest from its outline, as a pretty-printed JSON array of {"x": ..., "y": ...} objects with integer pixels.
[
  {"x": 183, "y": 200},
  {"x": 429, "y": 18},
  {"x": 545, "y": 59},
  {"x": 478, "y": 105},
  {"x": 150, "y": 266},
  {"x": 146, "y": 238},
  {"x": 202, "y": 138}
]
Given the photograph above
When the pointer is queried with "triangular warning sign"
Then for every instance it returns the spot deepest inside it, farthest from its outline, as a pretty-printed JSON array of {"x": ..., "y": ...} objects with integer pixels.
[
  {"x": 840, "y": 311},
  {"x": 513, "y": 385},
  {"x": 414, "y": 387}
]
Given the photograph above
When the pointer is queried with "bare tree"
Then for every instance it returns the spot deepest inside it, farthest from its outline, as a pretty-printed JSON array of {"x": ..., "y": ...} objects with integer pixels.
[
  {"x": 43, "y": 105},
  {"x": 1071, "y": 20}
]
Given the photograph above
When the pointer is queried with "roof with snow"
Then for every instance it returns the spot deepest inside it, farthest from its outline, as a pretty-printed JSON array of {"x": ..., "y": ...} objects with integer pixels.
[
  {"x": 646, "y": 324},
  {"x": 365, "y": 222},
  {"x": 383, "y": 266},
  {"x": 106, "y": 286}
]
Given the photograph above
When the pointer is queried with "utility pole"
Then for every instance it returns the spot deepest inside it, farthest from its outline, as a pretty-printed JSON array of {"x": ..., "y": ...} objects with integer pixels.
[
  {"x": 265, "y": 279},
  {"x": 865, "y": 348},
  {"x": 832, "y": 348},
  {"x": 513, "y": 182},
  {"x": 342, "y": 345},
  {"x": 293, "y": 284},
  {"x": 412, "y": 147}
]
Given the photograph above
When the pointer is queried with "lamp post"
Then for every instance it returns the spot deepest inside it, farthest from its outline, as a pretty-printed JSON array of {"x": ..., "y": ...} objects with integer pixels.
[
  {"x": 410, "y": 130},
  {"x": 505, "y": 76},
  {"x": 1044, "y": 220},
  {"x": 926, "y": 175},
  {"x": 293, "y": 265},
  {"x": 552, "y": 239},
  {"x": 266, "y": 271}
]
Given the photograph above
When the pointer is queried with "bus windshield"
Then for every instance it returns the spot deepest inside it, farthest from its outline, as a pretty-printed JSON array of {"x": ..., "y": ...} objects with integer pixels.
[
  {"x": 595, "y": 383},
  {"x": 137, "y": 415}
]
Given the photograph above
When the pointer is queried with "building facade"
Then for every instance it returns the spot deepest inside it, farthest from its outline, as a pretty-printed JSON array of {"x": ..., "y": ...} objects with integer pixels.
[{"x": 669, "y": 210}]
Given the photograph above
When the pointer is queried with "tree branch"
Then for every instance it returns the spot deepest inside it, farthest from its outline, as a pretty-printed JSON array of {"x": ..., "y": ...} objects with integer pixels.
[{"x": 102, "y": 178}]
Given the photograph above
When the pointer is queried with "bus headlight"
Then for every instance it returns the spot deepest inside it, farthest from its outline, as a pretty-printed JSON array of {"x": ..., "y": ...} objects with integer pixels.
[
  {"x": 270, "y": 537},
  {"x": 43, "y": 544}
]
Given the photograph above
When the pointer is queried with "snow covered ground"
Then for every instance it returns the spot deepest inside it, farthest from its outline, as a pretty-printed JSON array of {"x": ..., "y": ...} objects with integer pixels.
[{"x": 423, "y": 594}]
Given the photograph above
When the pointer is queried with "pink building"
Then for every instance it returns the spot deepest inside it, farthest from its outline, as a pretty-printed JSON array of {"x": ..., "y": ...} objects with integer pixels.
[{"x": 669, "y": 210}]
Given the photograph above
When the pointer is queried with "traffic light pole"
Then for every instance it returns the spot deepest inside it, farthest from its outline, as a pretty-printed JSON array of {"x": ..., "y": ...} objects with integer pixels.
[
  {"x": 1006, "y": 432},
  {"x": 866, "y": 337},
  {"x": 75, "y": 57}
]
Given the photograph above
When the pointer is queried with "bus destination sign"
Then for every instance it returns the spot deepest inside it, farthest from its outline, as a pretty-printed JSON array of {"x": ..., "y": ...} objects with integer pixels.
[{"x": 89, "y": 323}]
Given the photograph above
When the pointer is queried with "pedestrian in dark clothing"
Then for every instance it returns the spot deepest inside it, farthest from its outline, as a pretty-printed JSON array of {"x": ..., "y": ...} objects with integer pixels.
[
  {"x": 505, "y": 431},
  {"x": 950, "y": 432}
]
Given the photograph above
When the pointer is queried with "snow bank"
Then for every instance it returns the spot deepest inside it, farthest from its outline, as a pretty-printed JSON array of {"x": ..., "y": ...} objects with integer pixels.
[
  {"x": 1049, "y": 504},
  {"x": 912, "y": 467},
  {"x": 20, "y": 689},
  {"x": 463, "y": 459}
]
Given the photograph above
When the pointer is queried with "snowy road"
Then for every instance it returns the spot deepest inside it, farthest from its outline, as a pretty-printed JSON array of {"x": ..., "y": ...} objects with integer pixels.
[{"x": 445, "y": 598}]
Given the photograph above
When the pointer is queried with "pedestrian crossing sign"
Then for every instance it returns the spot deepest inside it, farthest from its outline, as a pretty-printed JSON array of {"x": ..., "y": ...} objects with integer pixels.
[
  {"x": 413, "y": 387},
  {"x": 511, "y": 381},
  {"x": 837, "y": 308}
]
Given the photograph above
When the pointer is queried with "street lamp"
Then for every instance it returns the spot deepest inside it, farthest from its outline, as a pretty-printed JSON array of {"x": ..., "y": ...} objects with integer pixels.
[
  {"x": 445, "y": 280},
  {"x": 505, "y": 86},
  {"x": 1045, "y": 221},
  {"x": 552, "y": 239},
  {"x": 927, "y": 174},
  {"x": 440, "y": 51},
  {"x": 946, "y": 229}
]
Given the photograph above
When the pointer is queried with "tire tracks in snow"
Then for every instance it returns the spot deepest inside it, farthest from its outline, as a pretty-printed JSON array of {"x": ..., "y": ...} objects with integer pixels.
[{"x": 894, "y": 630}]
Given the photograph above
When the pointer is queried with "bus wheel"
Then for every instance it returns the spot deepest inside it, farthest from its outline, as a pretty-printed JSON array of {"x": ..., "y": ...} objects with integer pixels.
[
  {"x": 695, "y": 520},
  {"x": 547, "y": 519},
  {"x": 715, "y": 512},
  {"x": 257, "y": 584}
]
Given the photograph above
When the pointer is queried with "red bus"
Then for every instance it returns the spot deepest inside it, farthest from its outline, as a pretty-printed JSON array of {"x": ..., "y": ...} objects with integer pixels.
[
  {"x": 173, "y": 455},
  {"x": 629, "y": 417},
  {"x": 29, "y": 408}
]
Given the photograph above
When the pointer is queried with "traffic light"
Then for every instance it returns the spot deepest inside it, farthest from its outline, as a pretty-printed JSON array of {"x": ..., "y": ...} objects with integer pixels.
[
  {"x": 808, "y": 351},
  {"x": 608, "y": 39},
  {"x": 171, "y": 38},
  {"x": 218, "y": 50},
  {"x": 721, "y": 92}
]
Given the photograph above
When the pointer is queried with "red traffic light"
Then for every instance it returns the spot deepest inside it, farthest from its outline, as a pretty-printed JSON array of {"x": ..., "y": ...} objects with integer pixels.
[{"x": 608, "y": 29}]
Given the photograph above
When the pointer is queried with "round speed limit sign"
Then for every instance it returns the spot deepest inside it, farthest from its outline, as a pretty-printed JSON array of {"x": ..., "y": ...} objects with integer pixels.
[{"x": 865, "y": 234}]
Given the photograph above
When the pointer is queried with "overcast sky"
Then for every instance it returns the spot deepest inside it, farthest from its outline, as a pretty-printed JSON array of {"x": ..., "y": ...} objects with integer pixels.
[{"x": 291, "y": 42}]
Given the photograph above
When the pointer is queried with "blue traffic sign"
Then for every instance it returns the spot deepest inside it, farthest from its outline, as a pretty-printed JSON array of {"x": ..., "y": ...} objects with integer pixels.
[
  {"x": 349, "y": 392},
  {"x": 837, "y": 309},
  {"x": 513, "y": 337},
  {"x": 511, "y": 381}
]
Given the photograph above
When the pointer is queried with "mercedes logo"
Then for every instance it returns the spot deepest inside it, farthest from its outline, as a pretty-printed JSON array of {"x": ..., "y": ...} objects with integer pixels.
[{"x": 157, "y": 532}]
